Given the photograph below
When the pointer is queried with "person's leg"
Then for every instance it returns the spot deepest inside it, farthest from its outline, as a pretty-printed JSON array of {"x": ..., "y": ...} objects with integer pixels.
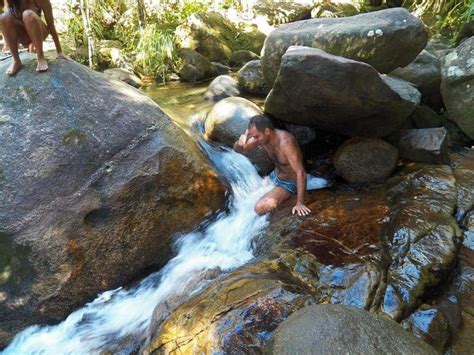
[
  {"x": 12, "y": 33},
  {"x": 38, "y": 32},
  {"x": 272, "y": 200}
]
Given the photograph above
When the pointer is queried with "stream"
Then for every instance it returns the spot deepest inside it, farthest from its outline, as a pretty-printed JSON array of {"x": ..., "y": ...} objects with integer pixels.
[{"x": 223, "y": 245}]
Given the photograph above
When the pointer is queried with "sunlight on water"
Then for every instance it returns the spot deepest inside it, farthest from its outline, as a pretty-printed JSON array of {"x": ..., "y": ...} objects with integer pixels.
[{"x": 224, "y": 244}]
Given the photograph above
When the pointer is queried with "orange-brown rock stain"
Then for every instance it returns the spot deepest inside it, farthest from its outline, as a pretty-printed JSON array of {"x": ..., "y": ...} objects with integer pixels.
[{"x": 344, "y": 230}]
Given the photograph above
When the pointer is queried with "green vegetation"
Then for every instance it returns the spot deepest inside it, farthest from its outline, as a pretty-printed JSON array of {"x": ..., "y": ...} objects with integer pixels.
[
  {"x": 152, "y": 45},
  {"x": 440, "y": 16},
  {"x": 146, "y": 34}
]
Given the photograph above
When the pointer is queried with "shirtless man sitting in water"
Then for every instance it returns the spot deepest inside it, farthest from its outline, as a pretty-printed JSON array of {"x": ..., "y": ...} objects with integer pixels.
[
  {"x": 289, "y": 175},
  {"x": 21, "y": 23}
]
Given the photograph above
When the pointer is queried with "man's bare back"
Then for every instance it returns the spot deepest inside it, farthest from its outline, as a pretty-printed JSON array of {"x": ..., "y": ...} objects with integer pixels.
[{"x": 289, "y": 175}]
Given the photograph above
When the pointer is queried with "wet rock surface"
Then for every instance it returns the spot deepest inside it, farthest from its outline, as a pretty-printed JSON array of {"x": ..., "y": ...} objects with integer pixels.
[
  {"x": 92, "y": 191},
  {"x": 383, "y": 248},
  {"x": 384, "y": 39},
  {"x": 338, "y": 95}
]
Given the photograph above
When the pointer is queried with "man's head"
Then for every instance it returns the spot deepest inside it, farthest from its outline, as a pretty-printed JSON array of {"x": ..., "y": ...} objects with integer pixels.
[{"x": 261, "y": 129}]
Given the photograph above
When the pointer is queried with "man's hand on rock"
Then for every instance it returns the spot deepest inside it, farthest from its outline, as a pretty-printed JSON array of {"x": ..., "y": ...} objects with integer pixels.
[{"x": 300, "y": 209}]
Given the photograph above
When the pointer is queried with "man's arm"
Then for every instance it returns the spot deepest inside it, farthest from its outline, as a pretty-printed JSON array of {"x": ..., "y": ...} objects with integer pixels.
[
  {"x": 244, "y": 143},
  {"x": 296, "y": 162},
  {"x": 45, "y": 5}
]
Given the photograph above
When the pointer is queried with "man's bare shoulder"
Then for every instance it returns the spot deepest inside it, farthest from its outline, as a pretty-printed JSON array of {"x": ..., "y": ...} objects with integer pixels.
[{"x": 286, "y": 138}]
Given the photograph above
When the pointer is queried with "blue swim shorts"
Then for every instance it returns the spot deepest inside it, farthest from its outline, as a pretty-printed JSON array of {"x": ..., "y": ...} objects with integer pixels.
[{"x": 288, "y": 185}]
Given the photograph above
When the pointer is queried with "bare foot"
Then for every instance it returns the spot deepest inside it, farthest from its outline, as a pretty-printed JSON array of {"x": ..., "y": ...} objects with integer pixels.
[
  {"x": 13, "y": 68},
  {"x": 42, "y": 65}
]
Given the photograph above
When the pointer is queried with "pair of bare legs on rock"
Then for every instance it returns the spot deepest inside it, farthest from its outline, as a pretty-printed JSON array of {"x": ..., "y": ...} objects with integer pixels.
[{"x": 22, "y": 24}]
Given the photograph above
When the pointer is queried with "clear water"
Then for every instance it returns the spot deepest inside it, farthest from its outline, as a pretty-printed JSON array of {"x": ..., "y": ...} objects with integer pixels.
[{"x": 225, "y": 244}]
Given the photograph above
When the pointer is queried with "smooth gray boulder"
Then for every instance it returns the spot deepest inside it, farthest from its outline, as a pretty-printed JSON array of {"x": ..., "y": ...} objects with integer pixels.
[
  {"x": 364, "y": 160},
  {"x": 425, "y": 73},
  {"x": 195, "y": 67},
  {"x": 221, "y": 87},
  {"x": 427, "y": 145},
  {"x": 228, "y": 119},
  {"x": 250, "y": 77},
  {"x": 124, "y": 75},
  {"x": 385, "y": 39},
  {"x": 336, "y": 329},
  {"x": 95, "y": 180},
  {"x": 339, "y": 95},
  {"x": 457, "y": 85}
]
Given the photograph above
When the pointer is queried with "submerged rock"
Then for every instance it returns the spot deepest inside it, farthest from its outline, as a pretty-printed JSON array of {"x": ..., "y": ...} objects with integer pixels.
[
  {"x": 364, "y": 160},
  {"x": 385, "y": 39},
  {"x": 338, "y": 95},
  {"x": 457, "y": 85},
  {"x": 94, "y": 181},
  {"x": 326, "y": 329}
]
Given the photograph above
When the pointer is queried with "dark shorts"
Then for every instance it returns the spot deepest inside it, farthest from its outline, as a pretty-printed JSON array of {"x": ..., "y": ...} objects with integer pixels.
[{"x": 288, "y": 185}]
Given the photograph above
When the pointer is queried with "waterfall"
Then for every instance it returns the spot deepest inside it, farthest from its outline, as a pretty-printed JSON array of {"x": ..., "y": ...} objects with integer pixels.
[{"x": 117, "y": 314}]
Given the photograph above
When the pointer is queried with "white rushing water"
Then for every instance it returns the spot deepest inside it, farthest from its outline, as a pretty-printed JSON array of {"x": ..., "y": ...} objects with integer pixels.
[{"x": 225, "y": 244}]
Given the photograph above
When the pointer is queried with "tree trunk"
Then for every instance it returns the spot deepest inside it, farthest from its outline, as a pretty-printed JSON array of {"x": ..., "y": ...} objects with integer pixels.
[
  {"x": 141, "y": 14},
  {"x": 87, "y": 28}
]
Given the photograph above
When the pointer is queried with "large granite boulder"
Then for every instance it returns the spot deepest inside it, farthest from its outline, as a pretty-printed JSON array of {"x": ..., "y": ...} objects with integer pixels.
[
  {"x": 221, "y": 87},
  {"x": 94, "y": 181},
  {"x": 228, "y": 119},
  {"x": 425, "y": 73},
  {"x": 250, "y": 77},
  {"x": 364, "y": 160},
  {"x": 457, "y": 85},
  {"x": 329, "y": 329},
  {"x": 195, "y": 66},
  {"x": 338, "y": 95},
  {"x": 385, "y": 39},
  {"x": 215, "y": 37},
  {"x": 427, "y": 145}
]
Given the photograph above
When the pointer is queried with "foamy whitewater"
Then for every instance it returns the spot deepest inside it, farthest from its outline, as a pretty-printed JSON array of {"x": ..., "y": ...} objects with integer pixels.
[{"x": 224, "y": 244}]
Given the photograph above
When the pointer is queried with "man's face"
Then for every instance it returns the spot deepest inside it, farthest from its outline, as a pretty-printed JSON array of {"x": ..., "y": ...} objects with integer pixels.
[{"x": 261, "y": 137}]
